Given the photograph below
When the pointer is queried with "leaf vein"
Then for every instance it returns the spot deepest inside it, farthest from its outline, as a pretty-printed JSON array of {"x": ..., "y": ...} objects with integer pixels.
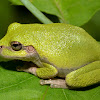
[
  {"x": 64, "y": 94},
  {"x": 60, "y": 11},
  {"x": 16, "y": 83}
]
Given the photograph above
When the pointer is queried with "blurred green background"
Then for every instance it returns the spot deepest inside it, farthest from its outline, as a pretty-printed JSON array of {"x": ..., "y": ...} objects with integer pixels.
[{"x": 10, "y": 13}]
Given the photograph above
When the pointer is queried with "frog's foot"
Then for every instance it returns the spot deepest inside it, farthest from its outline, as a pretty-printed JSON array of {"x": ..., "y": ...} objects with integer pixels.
[
  {"x": 30, "y": 68},
  {"x": 55, "y": 83}
]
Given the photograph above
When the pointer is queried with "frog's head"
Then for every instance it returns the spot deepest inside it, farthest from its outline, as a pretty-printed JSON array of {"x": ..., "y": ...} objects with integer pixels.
[{"x": 14, "y": 46}]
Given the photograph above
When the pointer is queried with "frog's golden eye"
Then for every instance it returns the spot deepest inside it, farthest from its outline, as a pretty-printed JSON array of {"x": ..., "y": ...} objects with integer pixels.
[{"x": 16, "y": 45}]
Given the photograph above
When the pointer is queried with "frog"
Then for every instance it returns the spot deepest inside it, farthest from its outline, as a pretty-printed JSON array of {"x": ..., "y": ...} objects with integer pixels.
[{"x": 61, "y": 55}]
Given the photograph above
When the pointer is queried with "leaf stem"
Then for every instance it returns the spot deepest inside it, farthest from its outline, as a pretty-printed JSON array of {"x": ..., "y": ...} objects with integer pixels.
[{"x": 36, "y": 12}]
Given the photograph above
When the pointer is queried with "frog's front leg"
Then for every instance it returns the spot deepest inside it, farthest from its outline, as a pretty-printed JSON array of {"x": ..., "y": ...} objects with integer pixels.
[
  {"x": 85, "y": 76},
  {"x": 46, "y": 72}
]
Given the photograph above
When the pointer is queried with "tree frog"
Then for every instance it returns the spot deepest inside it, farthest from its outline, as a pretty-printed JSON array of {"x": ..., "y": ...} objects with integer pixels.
[{"x": 61, "y": 54}]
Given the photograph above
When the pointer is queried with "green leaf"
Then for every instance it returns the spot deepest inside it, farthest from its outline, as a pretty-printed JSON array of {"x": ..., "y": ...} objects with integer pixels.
[
  {"x": 24, "y": 86},
  {"x": 76, "y": 12}
]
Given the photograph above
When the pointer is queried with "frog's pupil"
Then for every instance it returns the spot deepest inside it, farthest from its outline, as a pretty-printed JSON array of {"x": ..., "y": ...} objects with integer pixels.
[{"x": 15, "y": 45}]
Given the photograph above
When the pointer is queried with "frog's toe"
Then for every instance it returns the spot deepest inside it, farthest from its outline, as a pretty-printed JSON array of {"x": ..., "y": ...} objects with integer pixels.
[{"x": 54, "y": 83}]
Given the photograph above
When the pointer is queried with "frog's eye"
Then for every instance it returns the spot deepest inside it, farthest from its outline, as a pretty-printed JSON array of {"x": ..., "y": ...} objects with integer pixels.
[{"x": 16, "y": 45}]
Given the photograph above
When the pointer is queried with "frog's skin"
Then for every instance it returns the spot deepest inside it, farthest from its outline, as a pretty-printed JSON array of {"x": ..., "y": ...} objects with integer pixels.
[{"x": 56, "y": 49}]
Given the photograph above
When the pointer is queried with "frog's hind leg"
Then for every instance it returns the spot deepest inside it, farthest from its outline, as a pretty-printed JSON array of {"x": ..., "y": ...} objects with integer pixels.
[{"x": 85, "y": 76}]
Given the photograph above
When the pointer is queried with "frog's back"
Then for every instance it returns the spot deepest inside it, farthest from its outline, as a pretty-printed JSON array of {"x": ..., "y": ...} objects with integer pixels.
[{"x": 66, "y": 45}]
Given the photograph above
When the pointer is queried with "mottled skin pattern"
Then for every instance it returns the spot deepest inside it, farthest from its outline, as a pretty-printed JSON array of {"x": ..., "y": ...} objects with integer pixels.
[{"x": 61, "y": 48}]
